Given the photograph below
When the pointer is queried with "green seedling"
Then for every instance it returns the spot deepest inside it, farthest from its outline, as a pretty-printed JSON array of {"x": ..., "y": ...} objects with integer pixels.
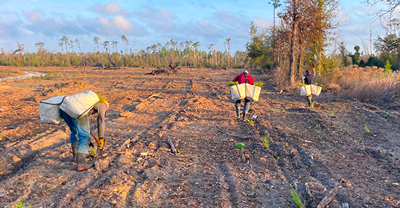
[
  {"x": 20, "y": 205},
  {"x": 258, "y": 84},
  {"x": 332, "y": 114},
  {"x": 232, "y": 83},
  {"x": 178, "y": 151},
  {"x": 265, "y": 141},
  {"x": 296, "y": 198},
  {"x": 366, "y": 129},
  {"x": 278, "y": 158},
  {"x": 93, "y": 151},
  {"x": 290, "y": 105},
  {"x": 385, "y": 116},
  {"x": 317, "y": 126},
  {"x": 250, "y": 123},
  {"x": 272, "y": 111},
  {"x": 240, "y": 145},
  {"x": 283, "y": 111}
]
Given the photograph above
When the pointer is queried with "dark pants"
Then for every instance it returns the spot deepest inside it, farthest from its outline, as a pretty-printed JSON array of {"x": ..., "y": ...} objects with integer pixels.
[
  {"x": 246, "y": 107},
  {"x": 309, "y": 100}
]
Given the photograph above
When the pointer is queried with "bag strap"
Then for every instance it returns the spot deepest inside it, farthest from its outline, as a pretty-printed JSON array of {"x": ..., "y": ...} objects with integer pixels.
[{"x": 245, "y": 79}]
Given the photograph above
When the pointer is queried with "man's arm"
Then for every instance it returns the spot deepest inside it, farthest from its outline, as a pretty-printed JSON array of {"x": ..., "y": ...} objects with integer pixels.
[{"x": 101, "y": 116}]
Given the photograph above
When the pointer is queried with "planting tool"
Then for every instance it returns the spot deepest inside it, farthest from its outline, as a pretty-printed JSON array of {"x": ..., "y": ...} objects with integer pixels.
[{"x": 95, "y": 138}]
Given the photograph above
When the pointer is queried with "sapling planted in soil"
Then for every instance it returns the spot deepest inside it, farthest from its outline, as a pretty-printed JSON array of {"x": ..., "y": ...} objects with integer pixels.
[
  {"x": 366, "y": 129},
  {"x": 239, "y": 145}
]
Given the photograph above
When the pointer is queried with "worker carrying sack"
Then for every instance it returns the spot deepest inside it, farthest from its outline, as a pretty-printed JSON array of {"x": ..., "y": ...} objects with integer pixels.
[
  {"x": 79, "y": 104},
  {"x": 238, "y": 92},
  {"x": 50, "y": 109}
]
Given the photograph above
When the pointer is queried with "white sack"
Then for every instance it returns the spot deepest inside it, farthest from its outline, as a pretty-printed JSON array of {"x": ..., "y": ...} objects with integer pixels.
[
  {"x": 238, "y": 92},
  {"x": 50, "y": 110},
  {"x": 315, "y": 90},
  {"x": 79, "y": 104},
  {"x": 252, "y": 92},
  {"x": 305, "y": 90}
]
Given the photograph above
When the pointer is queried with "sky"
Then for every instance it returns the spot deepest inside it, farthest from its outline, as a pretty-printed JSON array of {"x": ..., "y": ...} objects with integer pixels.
[{"x": 148, "y": 22}]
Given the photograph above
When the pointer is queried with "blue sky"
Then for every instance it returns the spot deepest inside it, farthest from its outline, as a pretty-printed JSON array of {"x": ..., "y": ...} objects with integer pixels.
[{"x": 146, "y": 22}]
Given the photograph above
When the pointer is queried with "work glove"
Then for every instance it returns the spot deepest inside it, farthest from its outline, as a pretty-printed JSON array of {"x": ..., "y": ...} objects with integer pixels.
[{"x": 101, "y": 143}]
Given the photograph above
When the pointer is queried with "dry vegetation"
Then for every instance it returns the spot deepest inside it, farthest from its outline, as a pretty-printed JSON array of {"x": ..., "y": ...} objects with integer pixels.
[{"x": 369, "y": 83}]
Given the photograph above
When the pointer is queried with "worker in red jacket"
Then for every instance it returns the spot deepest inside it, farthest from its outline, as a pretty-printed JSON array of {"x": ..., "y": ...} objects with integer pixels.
[{"x": 244, "y": 77}]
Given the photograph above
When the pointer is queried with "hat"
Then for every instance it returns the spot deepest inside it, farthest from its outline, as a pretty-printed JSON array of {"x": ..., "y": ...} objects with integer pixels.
[
  {"x": 307, "y": 72},
  {"x": 245, "y": 72}
]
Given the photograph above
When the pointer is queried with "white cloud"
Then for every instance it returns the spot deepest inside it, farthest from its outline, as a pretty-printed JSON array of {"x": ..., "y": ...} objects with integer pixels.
[
  {"x": 122, "y": 24},
  {"x": 110, "y": 8},
  {"x": 33, "y": 16},
  {"x": 111, "y": 26}
]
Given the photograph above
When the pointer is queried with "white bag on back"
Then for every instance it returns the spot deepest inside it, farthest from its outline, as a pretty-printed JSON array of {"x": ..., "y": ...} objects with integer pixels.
[
  {"x": 305, "y": 90},
  {"x": 238, "y": 92},
  {"x": 50, "y": 110},
  {"x": 315, "y": 90},
  {"x": 79, "y": 104},
  {"x": 252, "y": 92}
]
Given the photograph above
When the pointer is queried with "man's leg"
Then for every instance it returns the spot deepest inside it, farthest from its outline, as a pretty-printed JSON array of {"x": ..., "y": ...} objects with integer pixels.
[
  {"x": 309, "y": 101},
  {"x": 246, "y": 108},
  {"x": 83, "y": 127},
  {"x": 237, "y": 106},
  {"x": 83, "y": 145},
  {"x": 74, "y": 133}
]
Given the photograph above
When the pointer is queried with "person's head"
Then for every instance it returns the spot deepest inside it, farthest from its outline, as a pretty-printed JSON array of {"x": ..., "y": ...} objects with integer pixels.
[
  {"x": 307, "y": 71},
  {"x": 245, "y": 72}
]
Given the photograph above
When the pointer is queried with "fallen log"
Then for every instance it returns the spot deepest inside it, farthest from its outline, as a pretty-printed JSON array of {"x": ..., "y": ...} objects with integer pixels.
[{"x": 328, "y": 198}]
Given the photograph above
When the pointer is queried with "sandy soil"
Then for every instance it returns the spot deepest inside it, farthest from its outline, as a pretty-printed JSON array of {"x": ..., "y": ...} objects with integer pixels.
[{"x": 313, "y": 150}]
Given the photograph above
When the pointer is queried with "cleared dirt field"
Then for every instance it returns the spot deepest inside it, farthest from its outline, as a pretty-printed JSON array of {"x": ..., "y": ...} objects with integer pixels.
[{"x": 346, "y": 144}]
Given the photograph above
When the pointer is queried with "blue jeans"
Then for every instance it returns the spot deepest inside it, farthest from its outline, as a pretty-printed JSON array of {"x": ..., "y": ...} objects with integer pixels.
[
  {"x": 80, "y": 132},
  {"x": 246, "y": 107}
]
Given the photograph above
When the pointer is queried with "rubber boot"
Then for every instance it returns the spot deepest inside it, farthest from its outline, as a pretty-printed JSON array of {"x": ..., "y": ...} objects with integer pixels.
[
  {"x": 74, "y": 151},
  {"x": 81, "y": 162}
]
